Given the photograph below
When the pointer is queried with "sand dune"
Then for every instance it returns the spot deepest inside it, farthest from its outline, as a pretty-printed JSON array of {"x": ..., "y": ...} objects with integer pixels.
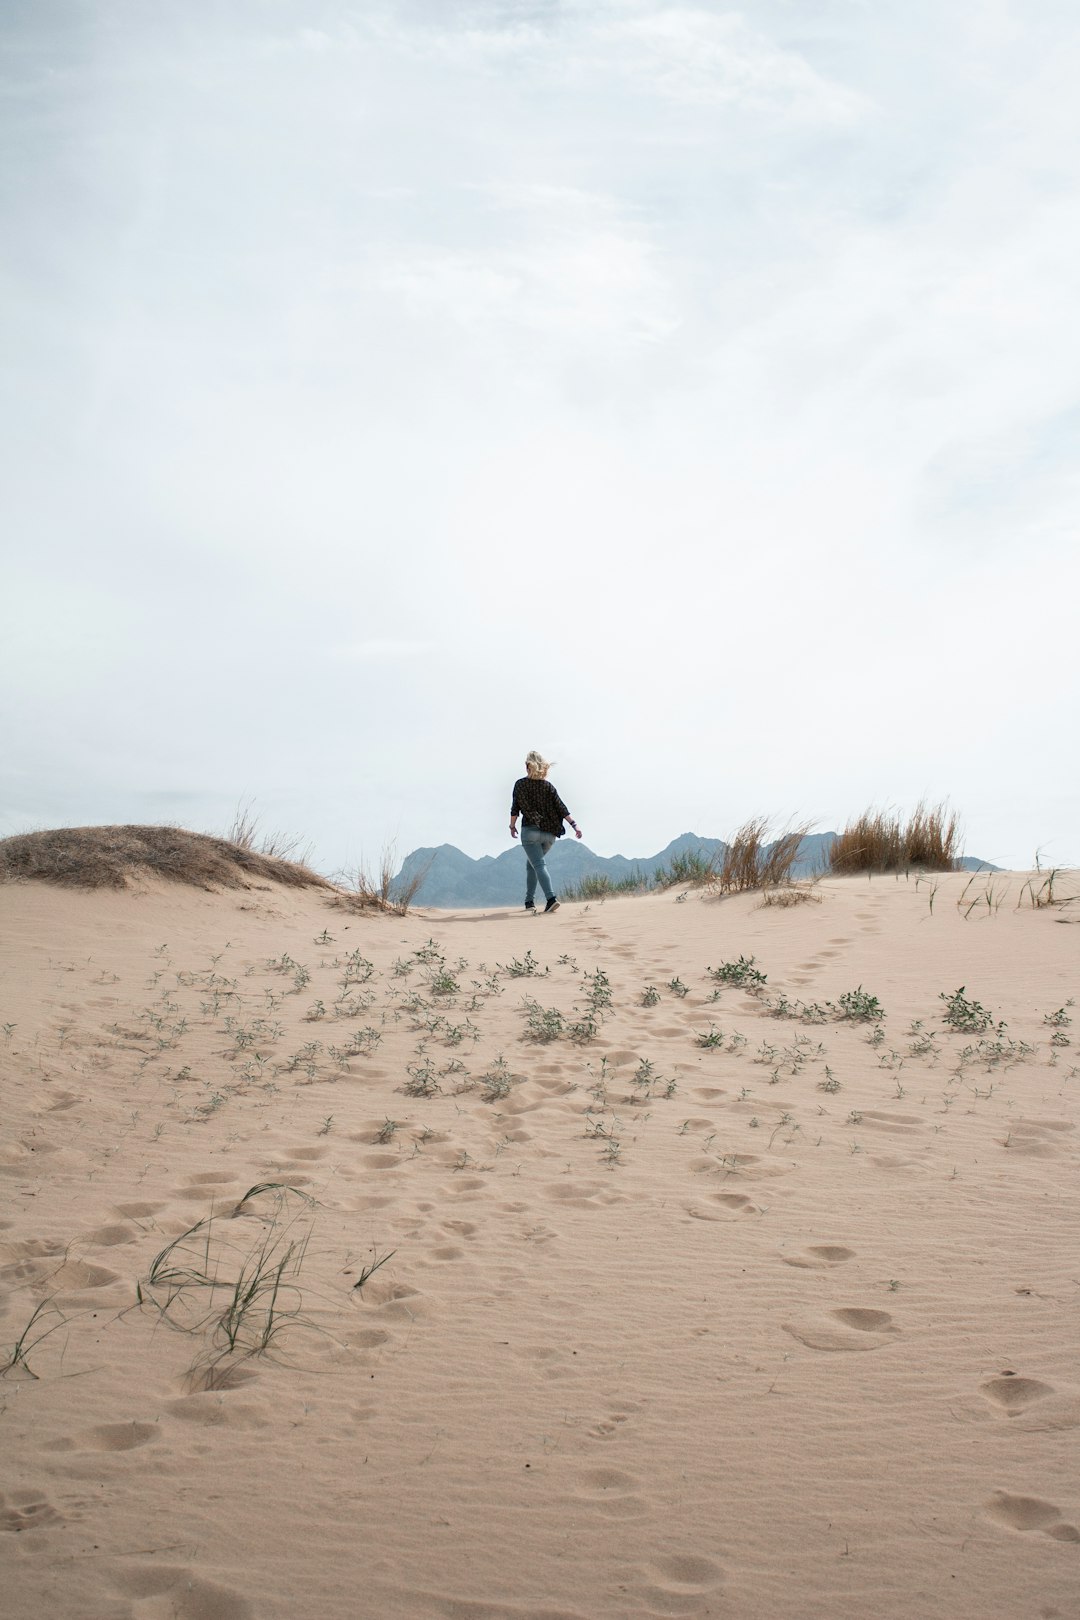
[{"x": 784, "y": 1324}]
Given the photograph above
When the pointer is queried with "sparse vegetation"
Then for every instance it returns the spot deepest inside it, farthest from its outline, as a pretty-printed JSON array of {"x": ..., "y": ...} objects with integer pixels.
[
  {"x": 751, "y": 863},
  {"x": 962, "y": 1014},
  {"x": 743, "y": 972},
  {"x": 858, "y": 1007},
  {"x": 361, "y": 890},
  {"x": 695, "y": 867},
  {"x": 114, "y": 857},
  {"x": 261, "y": 1295},
  {"x": 598, "y": 886},
  {"x": 878, "y": 841}
]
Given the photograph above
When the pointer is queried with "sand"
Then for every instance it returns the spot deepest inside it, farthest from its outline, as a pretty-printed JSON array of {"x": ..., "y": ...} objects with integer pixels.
[{"x": 788, "y": 1327}]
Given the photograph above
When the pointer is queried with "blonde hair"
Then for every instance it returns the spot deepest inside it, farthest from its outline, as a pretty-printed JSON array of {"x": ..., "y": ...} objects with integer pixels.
[{"x": 536, "y": 764}]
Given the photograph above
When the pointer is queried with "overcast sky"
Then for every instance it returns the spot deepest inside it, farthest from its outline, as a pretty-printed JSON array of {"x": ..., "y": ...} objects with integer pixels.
[{"x": 394, "y": 386}]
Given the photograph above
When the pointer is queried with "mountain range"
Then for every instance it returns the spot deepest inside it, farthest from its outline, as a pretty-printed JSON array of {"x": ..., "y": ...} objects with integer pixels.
[{"x": 453, "y": 879}]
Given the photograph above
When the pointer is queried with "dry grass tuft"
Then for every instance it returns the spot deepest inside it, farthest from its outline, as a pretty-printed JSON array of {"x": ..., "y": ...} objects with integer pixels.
[
  {"x": 112, "y": 857},
  {"x": 793, "y": 894},
  {"x": 877, "y": 842},
  {"x": 363, "y": 892},
  {"x": 280, "y": 846},
  {"x": 752, "y": 863}
]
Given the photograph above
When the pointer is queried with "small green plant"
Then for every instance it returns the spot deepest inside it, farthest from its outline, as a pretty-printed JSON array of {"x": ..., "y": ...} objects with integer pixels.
[
  {"x": 598, "y": 990},
  {"x": 742, "y": 972},
  {"x": 711, "y": 1038},
  {"x": 1056, "y": 1020},
  {"x": 422, "y": 1081},
  {"x": 830, "y": 1082},
  {"x": 585, "y": 1028},
  {"x": 677, "y": 987},
  {"x": 962, "y": 1014},
  {"x": 650, "y": 996},
  {"x": 859, "y": 1007},
  {"x": 497, "y": 1082},
  {"x": 543, "y": 1024},
  {"x": 386, "y": 1130},
  {"x": 643, "y": 1076},
  {"x": 525, "y": 967},
  {"x": 368, "y": 1271},
  {"x": 30, "y": 1337}
]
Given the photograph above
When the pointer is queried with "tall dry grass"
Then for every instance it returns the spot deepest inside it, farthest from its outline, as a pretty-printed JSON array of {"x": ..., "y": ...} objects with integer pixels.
[
  {"x": 279, "y": 846},
  {"x": 751, "y": 862},
  {"x": 881, "y": 842}
]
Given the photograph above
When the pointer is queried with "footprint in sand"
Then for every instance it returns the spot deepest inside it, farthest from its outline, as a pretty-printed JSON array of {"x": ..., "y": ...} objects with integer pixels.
[
  {"x": 890, "y": 1122},
  {"x": 108, "y": 1437},
  {"x": 111, "y": 1237},
  {"x": 819, "y": 1256},
  {"x": 849, "y": 1328},
  {"x": 679, "y": 1583},
  {"x": 1036, "y": 1138},
  {"x": 25, "y": 1510},
  {"x": 76, "y": 1277},
  {"x": 63, "y": 1100},
  {"x": 1013, "y": 1397},
  {"x": 607, "y": 1428},
  {"x": 585, "y": 1194},
  {"x": 170, "y": 1592},
  {"x": 209, "y": 1410},
  {"x": 547, "y": 1360},
  {"x": 1030, "y": 1513},
  {"x": 721, "y": 1206},
  {"x": 611, "y": 1492},
  {"x": 27, "y": 1261}
]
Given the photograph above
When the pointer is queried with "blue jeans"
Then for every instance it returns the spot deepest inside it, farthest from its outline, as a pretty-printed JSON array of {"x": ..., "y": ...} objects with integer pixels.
[{"x": 536, "y": 845}]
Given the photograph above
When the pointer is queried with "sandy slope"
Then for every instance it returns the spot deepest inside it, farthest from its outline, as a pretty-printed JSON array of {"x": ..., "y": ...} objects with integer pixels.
[{"x": 780, "y": 1351}]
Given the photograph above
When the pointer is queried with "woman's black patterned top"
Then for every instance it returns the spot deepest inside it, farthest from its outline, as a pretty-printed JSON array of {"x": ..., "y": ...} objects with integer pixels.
[{"x": 539, "y": 805}]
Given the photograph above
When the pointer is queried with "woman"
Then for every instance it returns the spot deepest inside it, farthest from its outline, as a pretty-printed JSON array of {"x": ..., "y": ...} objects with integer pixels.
[{"x": 542, "y": 815}]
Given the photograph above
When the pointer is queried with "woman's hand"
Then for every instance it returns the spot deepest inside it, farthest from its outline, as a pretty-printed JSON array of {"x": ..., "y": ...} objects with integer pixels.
[{"x": 513, "y": 831}]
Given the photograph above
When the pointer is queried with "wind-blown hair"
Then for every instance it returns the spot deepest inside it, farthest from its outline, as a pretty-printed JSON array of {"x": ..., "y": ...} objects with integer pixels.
[{"x": 536, "y": 764}]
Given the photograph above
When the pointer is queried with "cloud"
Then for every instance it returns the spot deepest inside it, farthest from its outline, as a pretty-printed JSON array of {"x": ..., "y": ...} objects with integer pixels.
[
  {"x": 380, "y": 651},
  {"x": 556, "y": 261}
]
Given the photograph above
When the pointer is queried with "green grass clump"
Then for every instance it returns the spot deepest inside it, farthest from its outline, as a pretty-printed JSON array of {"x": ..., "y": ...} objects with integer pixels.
[
  {"x": 964, "y": 1015},
  {"x": 598, "y": 886},
  {"x": 858, "y": 1007},
  {"x": 742, "y": 972},
  {"x": 693, "y": 866},
  {"x": 543, "y": 1024}
]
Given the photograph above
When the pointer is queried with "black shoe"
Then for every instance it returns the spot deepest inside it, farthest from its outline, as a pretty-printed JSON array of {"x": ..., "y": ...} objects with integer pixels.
[
  {"x": 529, "y": 906},
  {"x": 552, "y": 905}
]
